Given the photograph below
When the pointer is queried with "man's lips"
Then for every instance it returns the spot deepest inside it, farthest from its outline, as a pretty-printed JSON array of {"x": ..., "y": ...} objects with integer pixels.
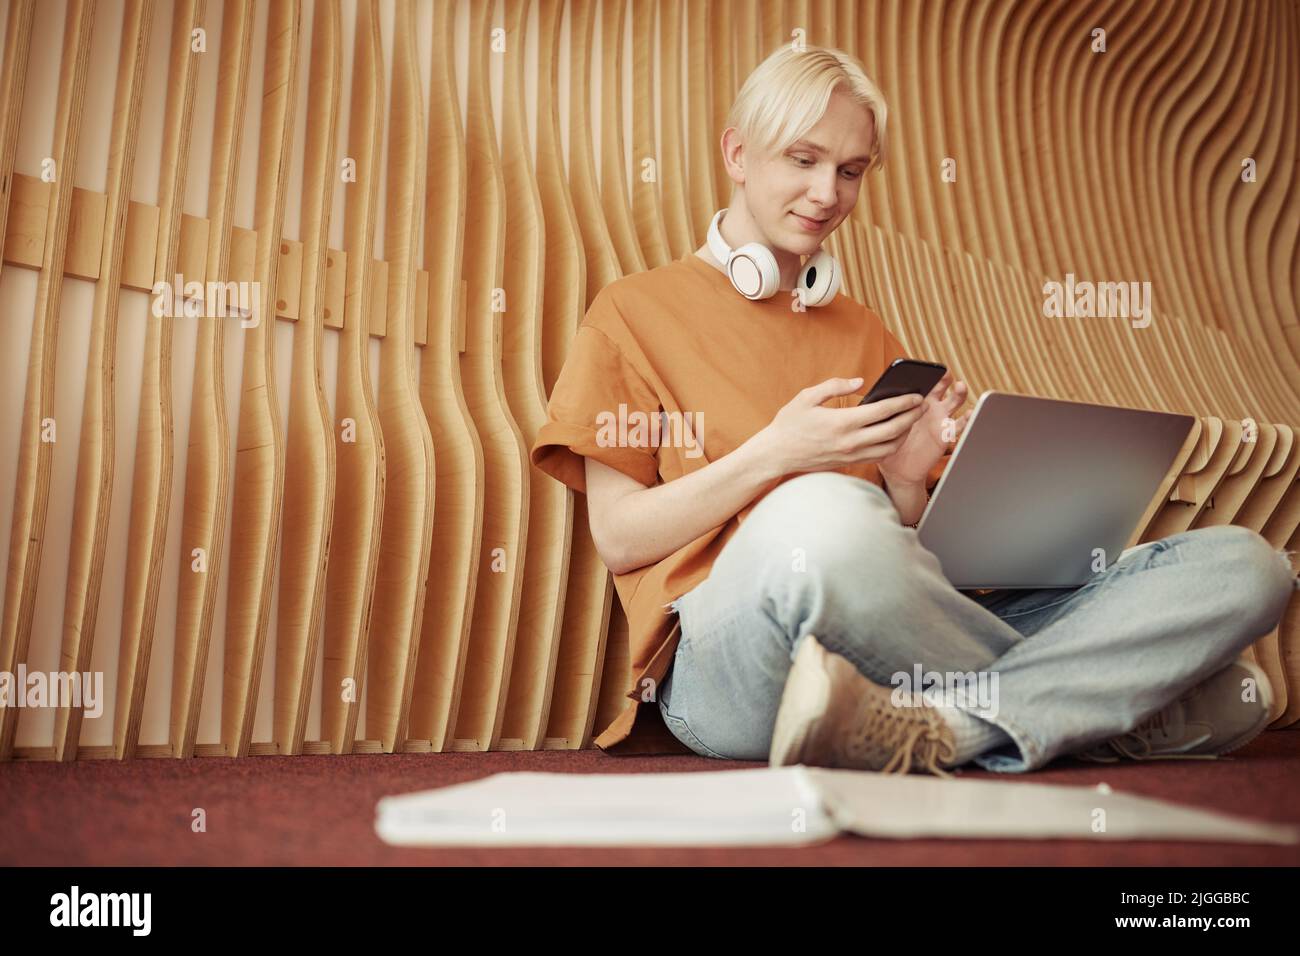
[{"x": 811, "y": 221}]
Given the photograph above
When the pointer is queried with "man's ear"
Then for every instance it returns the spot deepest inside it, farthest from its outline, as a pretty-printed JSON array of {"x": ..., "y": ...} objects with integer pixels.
[{"x": 733, "y": 154}]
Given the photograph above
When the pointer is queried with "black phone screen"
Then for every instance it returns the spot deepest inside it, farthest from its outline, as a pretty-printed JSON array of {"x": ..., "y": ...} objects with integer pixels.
[{"x": 904, "y": 377}]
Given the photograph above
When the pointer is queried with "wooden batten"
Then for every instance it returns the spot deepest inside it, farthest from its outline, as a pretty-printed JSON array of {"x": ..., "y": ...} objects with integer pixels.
[{"x": 24, "y": 242}]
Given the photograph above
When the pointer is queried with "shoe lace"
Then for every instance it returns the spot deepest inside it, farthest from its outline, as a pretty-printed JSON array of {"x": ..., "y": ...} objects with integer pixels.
[
  {"x": 1141, "y": 735},
  {"x": 908, "y": 733},
  {"x": 1115, "y": 747}
]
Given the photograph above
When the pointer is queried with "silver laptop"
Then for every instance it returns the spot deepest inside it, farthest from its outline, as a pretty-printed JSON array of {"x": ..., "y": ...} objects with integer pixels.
[{"x": 1037, "y": 485}]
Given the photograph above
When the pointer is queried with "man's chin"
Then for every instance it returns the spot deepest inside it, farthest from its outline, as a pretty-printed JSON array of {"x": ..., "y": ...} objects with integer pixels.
[{"x": 803, "y": 245}]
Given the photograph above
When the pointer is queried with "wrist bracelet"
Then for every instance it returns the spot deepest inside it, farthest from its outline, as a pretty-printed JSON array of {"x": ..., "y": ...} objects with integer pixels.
[{"x": 917, "y": 523}]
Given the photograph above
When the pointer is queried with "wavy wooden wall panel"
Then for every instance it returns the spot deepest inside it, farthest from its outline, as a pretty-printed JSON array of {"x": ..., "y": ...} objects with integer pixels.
[
  {"x": 936, "y": 289},
  {"x": 616, "y": 665},
  {"x": 565, "y": 299},
  {"x": 532, "y": 668},
  {"x": 1278, "y": 477},
  {"x": 354, "y": 538},
  {"x": 674, "y": 171},
  {"x": 1240, "y": 482},
  {"x": 95, "y": 456},
  {"x": 1273, "y": 214},
  {"x": 571, "y": 709},
  {"x": 590, "y": 600},
  {"x": 723, "y": 87},
  {"x": 1279, "y": 651},
  {"x": 35, "y": 454},
  {"x": 1283, "y": 525},
  {"x": 13, "y": 80},
  {"x": 1000, "y": 362},
  {"x": 206, "y": 502},
  {"x": 773, "y": 29},
  {"x": 749, "y": 47},
  {"x": 1202, "y": 94},
  {"x": 151, "y": 489},
  {"x": 647, "y": 209},
  {"x": 259, "y": 442},
  {"x": 309, "y": 440},
  {"x": 506, "y": 500},
  {"x": 492, "y": 619},
  {"x": 406, "y": 539},
  {"x": 614, "y": 200},
  {"x": 458, "y": 511},
  {"x": 701, "y": 47},
  {"x": 1289, "y": 651}
]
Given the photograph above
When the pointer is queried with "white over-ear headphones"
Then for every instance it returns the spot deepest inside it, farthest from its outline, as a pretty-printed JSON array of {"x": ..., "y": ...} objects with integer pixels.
[{"x": 753, "y": 270}]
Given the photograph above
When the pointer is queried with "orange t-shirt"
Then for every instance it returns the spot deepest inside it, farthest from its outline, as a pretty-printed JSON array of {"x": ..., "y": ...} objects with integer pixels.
[{"x": 679, "y": 339}]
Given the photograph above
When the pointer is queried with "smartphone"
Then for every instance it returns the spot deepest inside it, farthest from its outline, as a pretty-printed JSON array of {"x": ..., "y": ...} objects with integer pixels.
[{"x": 903, "y": 377}]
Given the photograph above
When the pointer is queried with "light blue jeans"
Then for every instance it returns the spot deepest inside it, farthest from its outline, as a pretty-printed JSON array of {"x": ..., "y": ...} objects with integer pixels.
[{"x": 825, "y": 554}]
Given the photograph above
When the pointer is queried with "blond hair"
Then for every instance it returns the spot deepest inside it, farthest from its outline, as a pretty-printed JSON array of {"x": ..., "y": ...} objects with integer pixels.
[{"x": 787, "y": 93}]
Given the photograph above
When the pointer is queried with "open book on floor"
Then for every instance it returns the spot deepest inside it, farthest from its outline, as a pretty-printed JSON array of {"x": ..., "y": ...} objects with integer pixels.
[{"x": 789, "y": 806}]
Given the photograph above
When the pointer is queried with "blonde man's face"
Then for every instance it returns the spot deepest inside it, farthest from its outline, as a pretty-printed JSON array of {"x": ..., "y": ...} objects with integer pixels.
[{"x": 783, "y": 188}]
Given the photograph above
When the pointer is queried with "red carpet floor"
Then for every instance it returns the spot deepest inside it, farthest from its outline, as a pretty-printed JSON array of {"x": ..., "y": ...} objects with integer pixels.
[{"x": 321, "y": 810}]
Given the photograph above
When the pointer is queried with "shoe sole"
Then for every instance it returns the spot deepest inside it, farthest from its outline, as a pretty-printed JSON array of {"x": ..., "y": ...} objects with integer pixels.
[{"x": 804, "y": 702}]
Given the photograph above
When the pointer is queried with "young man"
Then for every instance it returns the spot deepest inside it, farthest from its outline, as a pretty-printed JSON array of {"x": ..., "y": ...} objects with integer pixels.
[{"x": 757, "y": 519}]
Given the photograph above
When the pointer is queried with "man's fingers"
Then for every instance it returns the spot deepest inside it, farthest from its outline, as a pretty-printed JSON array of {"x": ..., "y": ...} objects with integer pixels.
[{"x": 873, "y": 412}]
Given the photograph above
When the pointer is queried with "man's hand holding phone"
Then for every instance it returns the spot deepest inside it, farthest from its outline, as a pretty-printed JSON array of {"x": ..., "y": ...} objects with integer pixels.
[
  {"x": 806, "y": 436},
  {"x": 927, "y": 440}
]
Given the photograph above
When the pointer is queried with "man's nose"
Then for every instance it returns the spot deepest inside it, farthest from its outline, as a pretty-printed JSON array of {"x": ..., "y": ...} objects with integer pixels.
[{"x": 822, "y": 188}]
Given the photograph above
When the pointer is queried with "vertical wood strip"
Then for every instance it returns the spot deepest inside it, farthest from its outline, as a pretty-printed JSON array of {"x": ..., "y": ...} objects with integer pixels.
[
  {"x": 207, "y": 464},
  {"x": 614, "y": 198},
  {"x": 505, "y": 505},
  {"x": 647, "y": 203},
  {"x": 151, "y": 488},
  {"x": 673, "y": 169},
  {"x": 566, "y": 270},
  {"x": 408, "y": 495},
  {"x": 541, "y": 606},
  {"x": 458, "y": 513},
  {"x": 13, "y": 81},
  {"x": 309, "y": 443},
  {"x": 259, "y": 442},
  {"x": 354, "y": 541},
  {"x": 93, "y": 493},
  {"x": 35, "y": 452}
]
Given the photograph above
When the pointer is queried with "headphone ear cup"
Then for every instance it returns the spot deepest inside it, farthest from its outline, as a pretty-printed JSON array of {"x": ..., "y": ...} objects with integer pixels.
[
  {"x": 819, "y": 279},
  {"x": 753, "y": 271}
]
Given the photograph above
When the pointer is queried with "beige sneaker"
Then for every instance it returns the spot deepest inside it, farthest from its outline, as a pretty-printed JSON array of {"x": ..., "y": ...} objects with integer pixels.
[
  {"x": 832, "y": 716},
  {"x": 1208, "y": 721}
]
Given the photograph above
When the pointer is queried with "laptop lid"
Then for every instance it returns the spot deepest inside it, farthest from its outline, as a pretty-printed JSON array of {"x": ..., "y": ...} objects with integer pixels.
[{"x": 1040, "y": 491}]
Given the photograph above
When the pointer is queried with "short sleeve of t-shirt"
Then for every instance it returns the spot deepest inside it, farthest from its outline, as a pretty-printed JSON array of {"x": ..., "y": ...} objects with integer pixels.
[
  {"x": 597, "y": 392},
  {"x": 894, "y": 350}
]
